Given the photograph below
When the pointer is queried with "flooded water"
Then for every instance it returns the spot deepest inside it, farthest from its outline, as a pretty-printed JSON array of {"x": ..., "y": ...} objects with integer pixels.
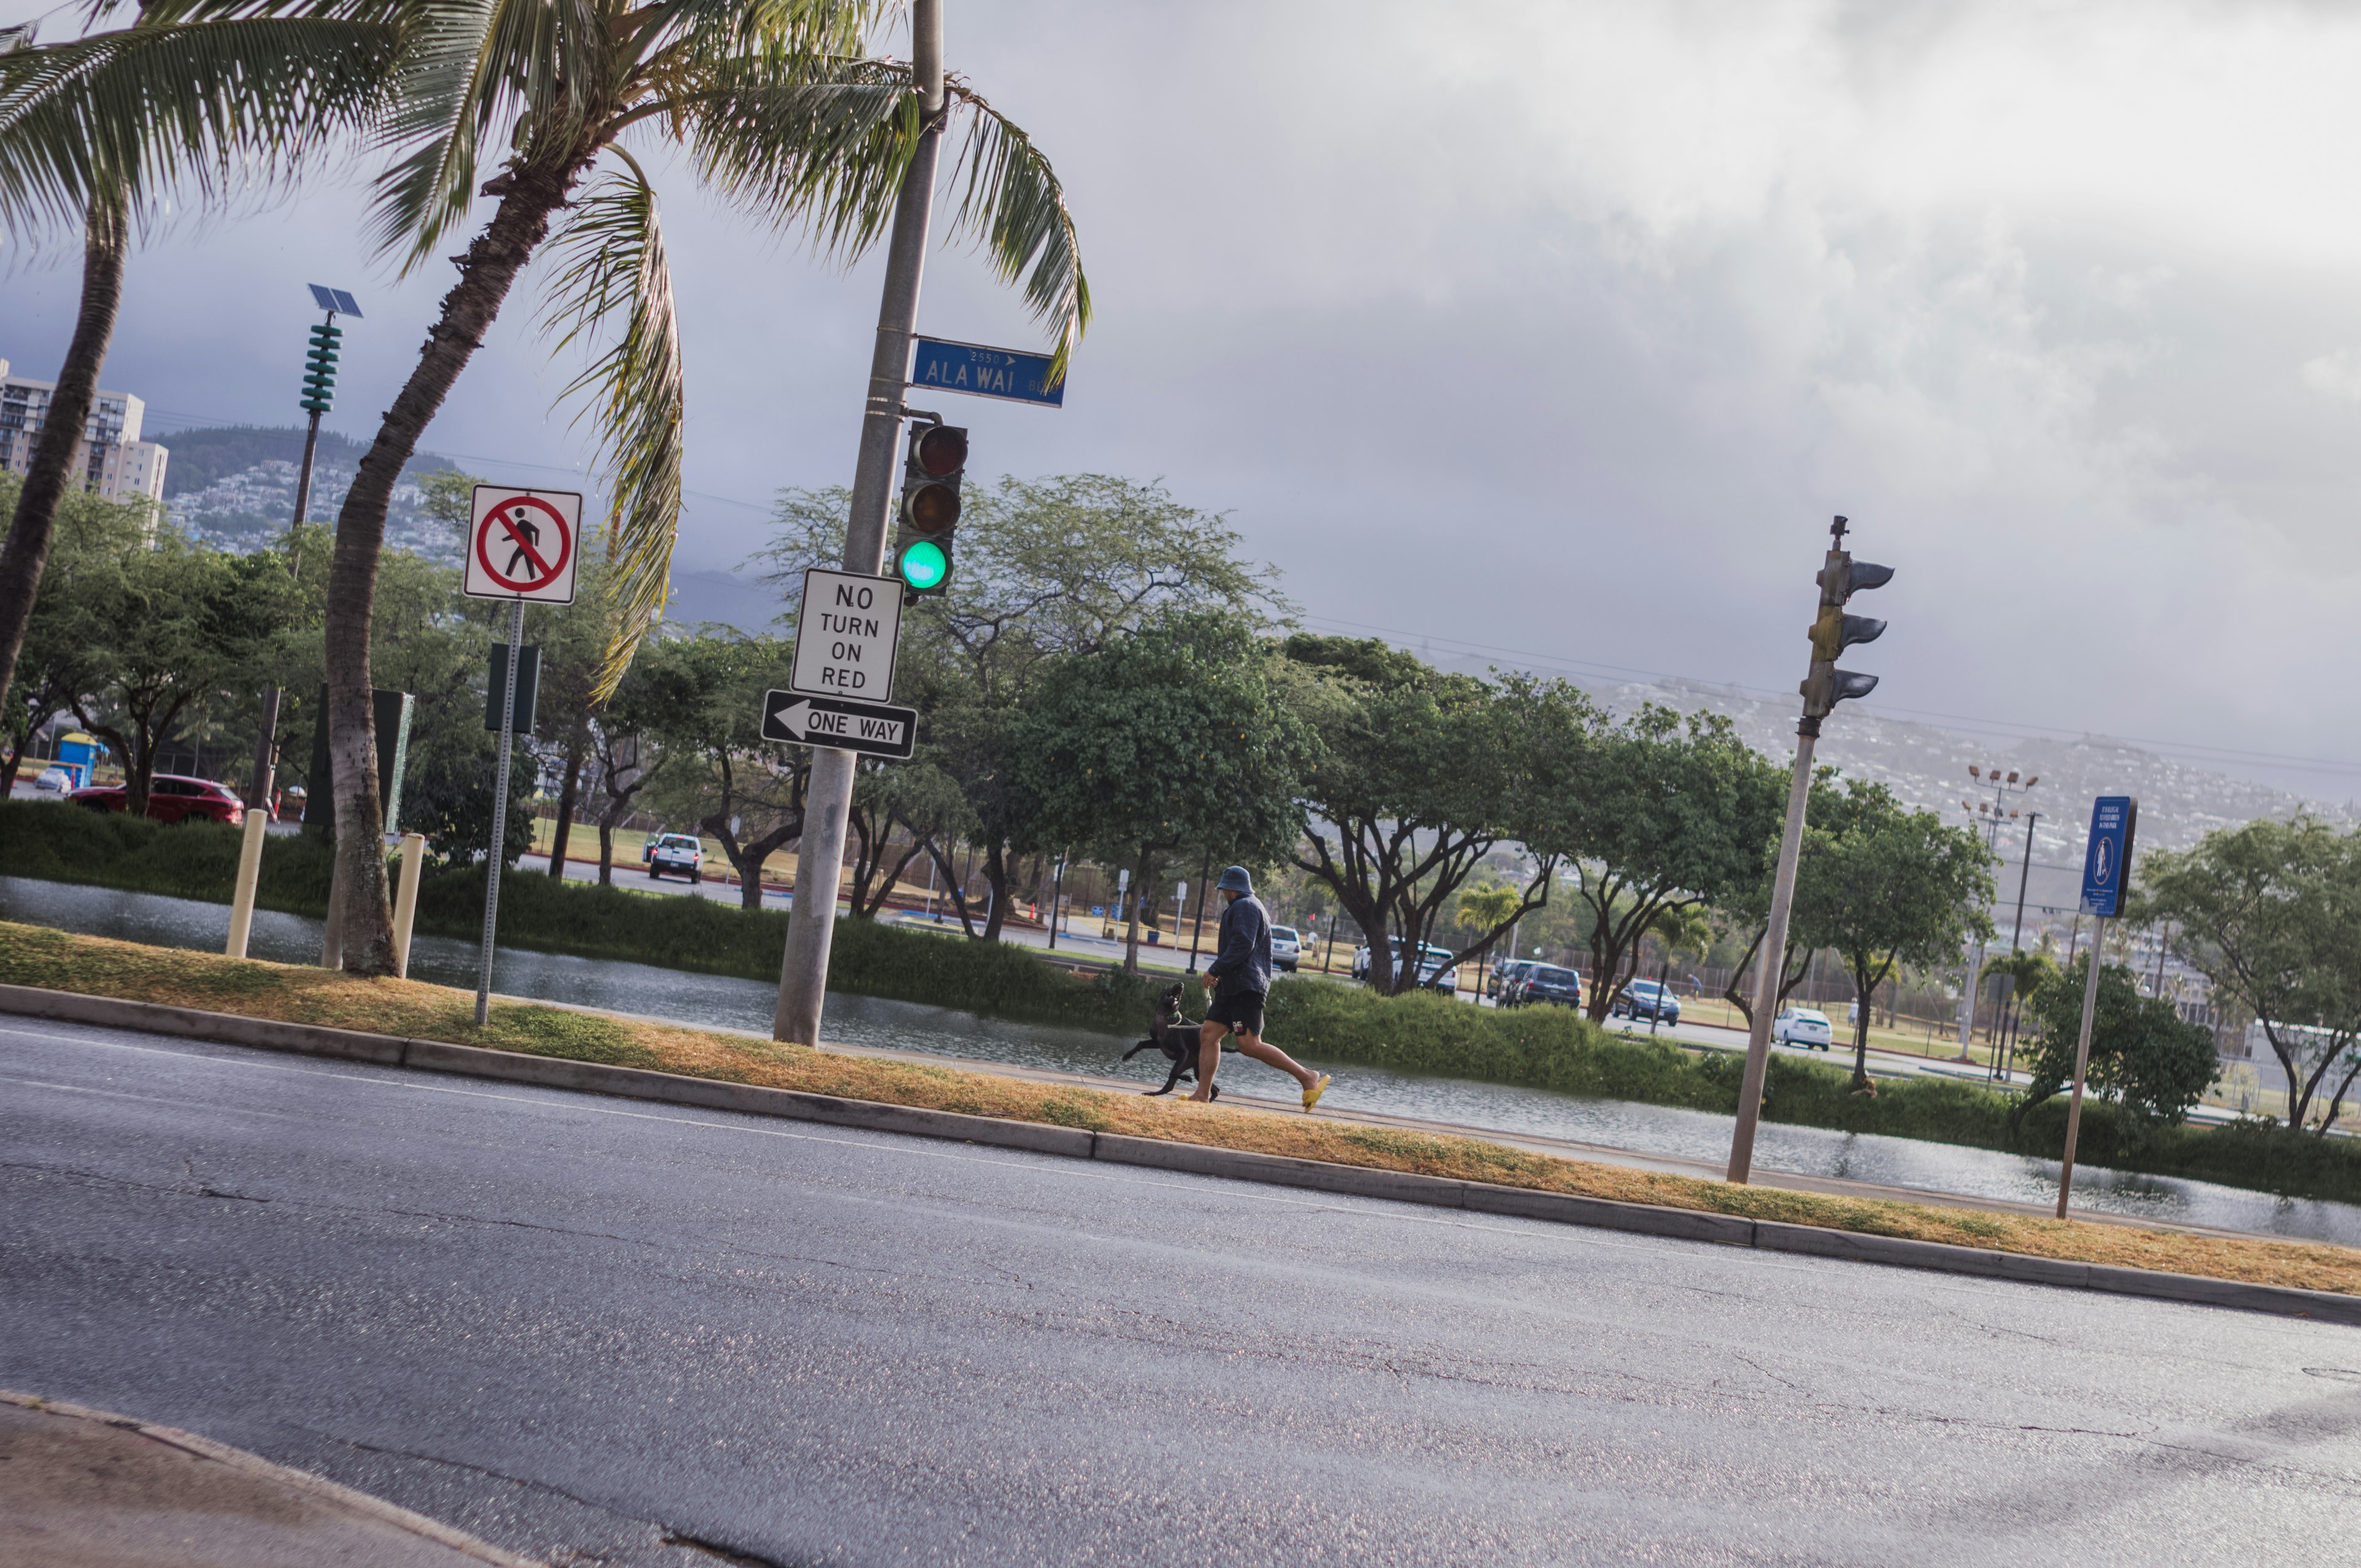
[{"x": 728, "y": 1002}]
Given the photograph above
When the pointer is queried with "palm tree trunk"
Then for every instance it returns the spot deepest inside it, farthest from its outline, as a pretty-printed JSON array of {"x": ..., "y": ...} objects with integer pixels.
[
  {"x": 105, "y": 241},
  {"x": 486, "y": 274}
]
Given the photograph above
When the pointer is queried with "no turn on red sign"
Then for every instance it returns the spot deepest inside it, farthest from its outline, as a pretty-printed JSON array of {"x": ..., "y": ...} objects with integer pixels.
[{"x": 523, "y": 544}]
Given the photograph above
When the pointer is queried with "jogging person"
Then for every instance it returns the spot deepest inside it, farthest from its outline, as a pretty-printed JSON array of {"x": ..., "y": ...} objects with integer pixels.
[{"x": 1241, "y": 976}]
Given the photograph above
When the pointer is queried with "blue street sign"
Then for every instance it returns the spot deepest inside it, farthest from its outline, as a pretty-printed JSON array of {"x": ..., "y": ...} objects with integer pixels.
[
  {"x": 2107, "y": 863},
  {"x": 980, "y": 372}
]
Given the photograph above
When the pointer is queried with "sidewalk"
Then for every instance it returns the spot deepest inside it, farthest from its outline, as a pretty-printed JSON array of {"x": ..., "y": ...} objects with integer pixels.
[{"x": 82, "y": 1488}]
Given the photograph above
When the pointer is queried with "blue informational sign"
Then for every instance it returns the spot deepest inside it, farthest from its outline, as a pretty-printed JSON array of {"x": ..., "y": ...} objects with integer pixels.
[
  {"x": 2106, "y": 865},
  {"x": 941, "y": 366}
]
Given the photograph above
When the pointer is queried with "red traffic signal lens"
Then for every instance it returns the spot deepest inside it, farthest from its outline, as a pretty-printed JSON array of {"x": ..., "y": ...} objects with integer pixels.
[
  {"x": 933, "y": 508},
  {"x": 942, "y": 451}
]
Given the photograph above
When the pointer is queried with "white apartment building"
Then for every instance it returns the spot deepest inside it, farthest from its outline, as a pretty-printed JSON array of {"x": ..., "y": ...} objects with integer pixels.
[{"x": 110, "y": 457}]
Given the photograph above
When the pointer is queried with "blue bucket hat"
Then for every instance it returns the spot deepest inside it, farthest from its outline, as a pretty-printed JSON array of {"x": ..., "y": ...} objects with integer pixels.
[{"x": 1235, "y": 880}]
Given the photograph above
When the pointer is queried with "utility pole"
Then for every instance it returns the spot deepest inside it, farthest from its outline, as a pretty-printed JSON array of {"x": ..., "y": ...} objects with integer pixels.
[
  {"x": 811, "y": 930},
  {"x": 1832, "y": 632}
]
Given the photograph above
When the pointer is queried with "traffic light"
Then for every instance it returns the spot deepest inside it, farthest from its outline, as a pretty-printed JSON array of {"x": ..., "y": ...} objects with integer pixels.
[
  {"x": 930, "y": 506},
  {"x": 1840, "y": 578},
  {"x": 320, "y": 369}
]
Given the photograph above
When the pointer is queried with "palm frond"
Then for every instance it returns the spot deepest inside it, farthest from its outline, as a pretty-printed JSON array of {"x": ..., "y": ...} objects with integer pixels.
[
  {"x": 612, "y": 264},
  {"x": 1016, "y": 207},
  {"x": 468, "y": 68},
  {"x": 818, "y": 143},
  {"x": 216, "y": 107}
]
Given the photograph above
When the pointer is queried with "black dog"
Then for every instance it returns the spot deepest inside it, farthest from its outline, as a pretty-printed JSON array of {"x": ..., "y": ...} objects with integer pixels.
[{"x": 1176, "y": 1039}]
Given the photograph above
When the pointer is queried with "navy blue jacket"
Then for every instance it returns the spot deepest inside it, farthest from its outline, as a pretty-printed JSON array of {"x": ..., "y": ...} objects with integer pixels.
[{"x": 1243, "y": 964}]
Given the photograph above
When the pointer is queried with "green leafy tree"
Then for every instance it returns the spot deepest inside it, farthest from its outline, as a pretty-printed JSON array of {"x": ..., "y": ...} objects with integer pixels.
[
  {"x": 1747, "y": 908},
  {"x": 898, "y": 809},
  {"x": 1673, "y": 815},
  {"x": 169, "y": 629},
  {"x": 1420, "y": 777},
  {"x": 1047, "y": 569},
  {"x": 1884, "y": 886},
  {"x": 56, "y": 663},
  {"x": 195, "y": 105},
  {"x": 1167, "y": 739},
  {"x": 1485, "y": 911},
  {"x": 2144, "y": 1054},
  {"x": 740, "y": 790},
  {"x": 772, "y": 108},
  {"x": 2271, "y": 912}
]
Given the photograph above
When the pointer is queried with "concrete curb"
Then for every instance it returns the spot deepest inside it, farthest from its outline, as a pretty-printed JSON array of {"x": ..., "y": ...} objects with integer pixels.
[
  {"x": 1198, "y": 1159},
  {"x": 321, "y": 1490}
]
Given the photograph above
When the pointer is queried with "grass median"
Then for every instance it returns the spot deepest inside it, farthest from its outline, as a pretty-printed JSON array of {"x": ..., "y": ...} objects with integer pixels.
[{"x": 57, "y": 960}]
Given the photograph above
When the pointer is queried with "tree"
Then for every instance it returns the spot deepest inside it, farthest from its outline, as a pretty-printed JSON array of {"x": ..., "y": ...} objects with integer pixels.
[
  {"x": 1419, "y": 776},
  {"x": 1673, "y": 814},
  {"x": 771, "y": 106},
  {"x": 167, "y": 627},
  {"x": 1747, "y": 907},
  {"x": 1884, "y": 886},
  {"x": 106, "y": 133},
  {"x": 56, "y": 664},
  {"x": 1487, "y": 912},
  {"x": 740, "y": 789},
  {"x": 2143, "y": 1055},
  {"x": 1047, "y": 569},
  {"x": 2271, "y": 912},
  {"x": 1170, "y": 738},
  {"x": 915, "y": 799}
]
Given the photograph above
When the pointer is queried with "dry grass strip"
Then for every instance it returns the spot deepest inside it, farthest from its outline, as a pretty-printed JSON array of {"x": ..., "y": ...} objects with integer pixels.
[{"x": 38, "y": 956}]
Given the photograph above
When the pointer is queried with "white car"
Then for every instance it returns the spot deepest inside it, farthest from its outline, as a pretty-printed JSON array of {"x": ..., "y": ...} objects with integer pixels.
[
  {"x": 54, "y": 781},
  {"x": 676, "y": 852},
  {"x": 1286, "y": 947},
  {"x": 1801, "y": 1027}
]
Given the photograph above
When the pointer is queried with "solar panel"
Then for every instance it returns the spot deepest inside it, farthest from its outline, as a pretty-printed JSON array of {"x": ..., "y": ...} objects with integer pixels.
[{"x": 335, "y": 300}]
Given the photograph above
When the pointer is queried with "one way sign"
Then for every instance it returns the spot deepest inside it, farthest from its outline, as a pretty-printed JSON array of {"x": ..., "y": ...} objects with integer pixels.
[{"x": 873, "y": 728}]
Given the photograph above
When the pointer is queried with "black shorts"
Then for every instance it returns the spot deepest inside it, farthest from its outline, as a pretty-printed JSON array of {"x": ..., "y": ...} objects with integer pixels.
[{"x": 1241, "y": 1012}]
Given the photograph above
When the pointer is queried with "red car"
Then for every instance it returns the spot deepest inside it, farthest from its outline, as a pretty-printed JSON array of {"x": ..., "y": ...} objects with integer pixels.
[{"x": 170, "y": 798}]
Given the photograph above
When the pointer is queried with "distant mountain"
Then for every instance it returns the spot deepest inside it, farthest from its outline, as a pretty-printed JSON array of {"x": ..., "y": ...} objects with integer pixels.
[{"x": 233, "y": 487}]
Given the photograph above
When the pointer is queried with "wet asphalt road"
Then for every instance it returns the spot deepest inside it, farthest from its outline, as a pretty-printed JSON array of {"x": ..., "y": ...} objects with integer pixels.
[{"x": 602, "y": 1333}]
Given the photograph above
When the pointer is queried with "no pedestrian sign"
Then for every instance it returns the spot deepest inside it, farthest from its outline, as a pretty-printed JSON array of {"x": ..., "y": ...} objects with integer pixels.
[
  {"x": 845, "y": 640},
  {"x": 522, "y": 544}
]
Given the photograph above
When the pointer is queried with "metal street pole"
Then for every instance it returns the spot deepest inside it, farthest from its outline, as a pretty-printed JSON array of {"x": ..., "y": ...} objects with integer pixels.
[
  {"x": 266, "y": 746},
  {"x": 2081, "y": 1064},
  {"x": 1774, "y": 947},
  {"x": 499, "y": 816},
  {"x": 803, "y": 968}
]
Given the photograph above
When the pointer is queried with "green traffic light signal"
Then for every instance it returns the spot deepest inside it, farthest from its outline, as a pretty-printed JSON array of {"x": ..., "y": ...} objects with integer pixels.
[{"x": 924, "y": 565}]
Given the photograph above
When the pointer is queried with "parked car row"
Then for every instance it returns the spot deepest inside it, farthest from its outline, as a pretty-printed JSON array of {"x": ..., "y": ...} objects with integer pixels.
[
  {"x": 1436, "y": 970},
  {"x": 1538, "y": 982}
]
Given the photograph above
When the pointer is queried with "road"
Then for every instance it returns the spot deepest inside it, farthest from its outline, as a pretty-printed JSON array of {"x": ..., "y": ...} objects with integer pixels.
[{"x": 587, "y": 1329}]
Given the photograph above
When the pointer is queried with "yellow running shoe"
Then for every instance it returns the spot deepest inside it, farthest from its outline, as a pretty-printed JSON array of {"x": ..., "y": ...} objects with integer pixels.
[{"x": 1311, "y": 1095}]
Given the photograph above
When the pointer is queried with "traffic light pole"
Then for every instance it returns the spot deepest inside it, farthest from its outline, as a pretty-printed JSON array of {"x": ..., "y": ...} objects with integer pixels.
[
  {"x": 828, "y": 800},
  {"x": 1773, "y": 959},
  {"x": 2081, "y": 1064}
]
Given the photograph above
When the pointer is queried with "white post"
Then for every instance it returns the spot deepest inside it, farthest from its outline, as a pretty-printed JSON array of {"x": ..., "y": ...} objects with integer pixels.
[
  {"x": 2081, "y": 1063},
  {"x": 499, "y": 816},
  {"x": 249, "y": 871},
  {"x": 827, "y": 796},
  {"x": 405, "y": 899}
]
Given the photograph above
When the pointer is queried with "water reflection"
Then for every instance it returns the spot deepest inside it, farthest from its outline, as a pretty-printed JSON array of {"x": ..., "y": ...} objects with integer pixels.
[{"x": 728, "y": 1003}]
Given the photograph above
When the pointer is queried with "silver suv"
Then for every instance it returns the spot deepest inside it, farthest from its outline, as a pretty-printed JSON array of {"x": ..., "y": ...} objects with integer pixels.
[{"x": 1286, "y": 947}]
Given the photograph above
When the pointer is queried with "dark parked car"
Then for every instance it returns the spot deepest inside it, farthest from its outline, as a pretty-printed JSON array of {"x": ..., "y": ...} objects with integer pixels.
[
  {"x": 170, "y": 798},
  {"x": 1646, "y": 999},
  {"x": 1547, "y": 983},
  {"x": 1505, "y": 975}
]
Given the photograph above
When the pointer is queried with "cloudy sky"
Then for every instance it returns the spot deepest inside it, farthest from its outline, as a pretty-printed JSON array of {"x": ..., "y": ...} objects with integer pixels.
[{"x": 1561, "y": 331}]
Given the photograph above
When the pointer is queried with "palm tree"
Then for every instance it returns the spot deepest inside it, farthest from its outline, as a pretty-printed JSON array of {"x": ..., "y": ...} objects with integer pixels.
[
  {"x": 774, "y": 110},
  {"x": 1487, "y": 910},
  {"x": 100, "y": 132}
]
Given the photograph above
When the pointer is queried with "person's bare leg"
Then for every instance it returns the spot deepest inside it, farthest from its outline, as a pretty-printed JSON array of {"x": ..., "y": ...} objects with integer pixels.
[
  {"x": 1263, "y": 1051},
  {"x": 1209, "y": 1056}
]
